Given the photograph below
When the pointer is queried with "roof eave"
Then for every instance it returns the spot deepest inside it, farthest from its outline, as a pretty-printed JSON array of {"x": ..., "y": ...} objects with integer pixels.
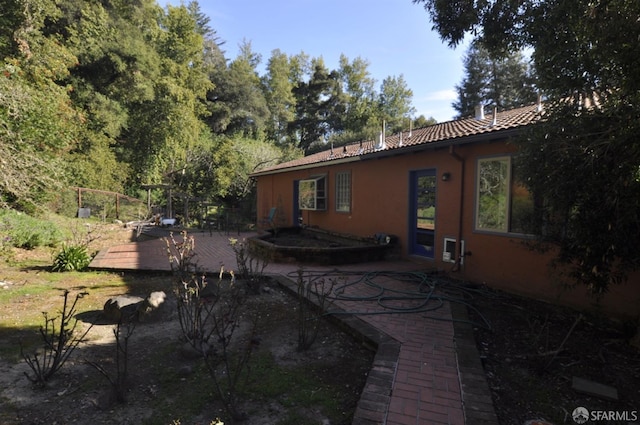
[
  {"x": 475, "y": 138},
  {"x": 465, "y": 140},
  {"x": 307, "y": 166}
]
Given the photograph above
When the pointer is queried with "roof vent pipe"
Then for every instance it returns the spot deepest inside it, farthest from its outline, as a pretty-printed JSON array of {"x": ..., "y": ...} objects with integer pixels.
[
  {"x": 539, "y": 103},
  {"x": 479, "y": 111},
  {"x": 400, "y": 141},
  {"x": 381, "y": 140},
  {"x": 494, "y": 121}
]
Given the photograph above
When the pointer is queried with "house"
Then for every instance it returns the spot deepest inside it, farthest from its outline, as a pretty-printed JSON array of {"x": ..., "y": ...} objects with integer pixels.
[{"x": 448, "y": 192}]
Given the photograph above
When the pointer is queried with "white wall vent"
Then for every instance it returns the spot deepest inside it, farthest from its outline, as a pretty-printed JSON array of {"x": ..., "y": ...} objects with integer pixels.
[{"x": 449, "y": 251}]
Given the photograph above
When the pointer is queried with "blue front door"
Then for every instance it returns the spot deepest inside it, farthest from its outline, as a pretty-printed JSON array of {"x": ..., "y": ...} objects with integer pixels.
[
  {"x": 297, "y": 220},
  {"x": 422, "y": 213}
]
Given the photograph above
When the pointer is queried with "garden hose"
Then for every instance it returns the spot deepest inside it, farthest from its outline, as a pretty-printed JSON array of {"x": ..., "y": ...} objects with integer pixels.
[{"x": 431, "y": 292}]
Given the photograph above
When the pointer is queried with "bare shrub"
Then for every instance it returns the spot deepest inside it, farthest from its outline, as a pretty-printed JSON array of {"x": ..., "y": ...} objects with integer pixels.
[
  {"x": 250, "y": 266},
  {"x": 209, "y": 315},
  {"x": 314, "y": 299},
  {"x": 58, "y": 343},
  {"x": 119, "y": 378}
]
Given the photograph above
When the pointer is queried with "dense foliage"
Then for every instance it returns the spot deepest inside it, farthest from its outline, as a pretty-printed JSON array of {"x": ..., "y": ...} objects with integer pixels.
[
  {"x": 582, "y": 162},
  {"x": 116, "y": 95},
  {"x": 20, "y": 230}
]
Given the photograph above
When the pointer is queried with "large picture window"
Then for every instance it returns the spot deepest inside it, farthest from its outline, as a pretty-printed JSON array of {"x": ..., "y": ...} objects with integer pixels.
[
  {"x": 503, "y": 204},
  {"x": 343, "y": 191},
  {"x": 312, "y": 194}
]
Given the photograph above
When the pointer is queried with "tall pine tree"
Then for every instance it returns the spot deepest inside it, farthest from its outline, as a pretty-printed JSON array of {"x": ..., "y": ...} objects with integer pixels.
[{"x": 495, "y": 81}]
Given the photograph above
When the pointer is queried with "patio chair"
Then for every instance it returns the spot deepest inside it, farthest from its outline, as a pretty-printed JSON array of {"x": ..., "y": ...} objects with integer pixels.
[{"x": 270, "y": 219}]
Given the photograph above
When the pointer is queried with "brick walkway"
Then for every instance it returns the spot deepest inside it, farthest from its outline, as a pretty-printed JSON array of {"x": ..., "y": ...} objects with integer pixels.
[{"x": 426, "y": 370}]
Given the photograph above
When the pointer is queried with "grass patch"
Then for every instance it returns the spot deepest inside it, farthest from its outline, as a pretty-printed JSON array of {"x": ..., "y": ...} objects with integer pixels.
[
  {"x": 179, "y": 396},
  {"x": 293, "y": 386},
  {"x": 34, "y": 291}
]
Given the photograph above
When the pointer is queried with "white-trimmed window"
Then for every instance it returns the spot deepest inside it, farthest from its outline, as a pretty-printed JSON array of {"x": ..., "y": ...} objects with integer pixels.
[
  {"x": 312, "y": 193},
  {"x": 503, "y": 204},
  {"x": 343, "y": 191}
]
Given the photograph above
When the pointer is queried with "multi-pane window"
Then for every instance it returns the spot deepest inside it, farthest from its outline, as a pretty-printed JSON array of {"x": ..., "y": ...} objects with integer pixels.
[
  {"x": 312, "y": 194},
  {"x": 503, "y": 204},
  {"x": 343, "y": 191}
]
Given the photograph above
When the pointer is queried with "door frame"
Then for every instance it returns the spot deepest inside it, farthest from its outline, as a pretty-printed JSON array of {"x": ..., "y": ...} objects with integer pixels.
[{"x": 414, "y": 233}]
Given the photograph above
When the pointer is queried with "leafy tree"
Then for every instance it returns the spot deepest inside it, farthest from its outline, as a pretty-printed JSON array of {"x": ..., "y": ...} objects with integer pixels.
[
  {"x": 319, "y": 106},
  {"x": 504, "y": 82},
  {"x": 278, "y": 86},
  {"x": 249, "y": 155},
  {"x": 423, "y": 121},
  {"x": 360, "y": 93},
  {"x": 219, "y": 167},
  {"x": 361, "y": 117},
  {"x": 582, "y": 161},
  {"x": 213, "y": 55},
  {"x": 395, "y": 103},
  {"x": 300, "y": 67},
  {"x": 38, "y": 123},
  {"x": 202, "y": 21},
  {"x": 205, "y": 170},
  {"x": 237, "y": 103},
  {"x": 116, "y": 71},
  {"x": 170, "y": 123}
]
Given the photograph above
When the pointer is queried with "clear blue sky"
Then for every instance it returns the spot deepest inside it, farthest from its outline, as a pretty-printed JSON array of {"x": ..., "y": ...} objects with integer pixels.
[{"x": 394, "y": 36}]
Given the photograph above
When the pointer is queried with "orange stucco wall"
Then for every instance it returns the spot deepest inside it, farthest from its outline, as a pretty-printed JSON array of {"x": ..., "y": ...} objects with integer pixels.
[{"x": 380, "y": 204}]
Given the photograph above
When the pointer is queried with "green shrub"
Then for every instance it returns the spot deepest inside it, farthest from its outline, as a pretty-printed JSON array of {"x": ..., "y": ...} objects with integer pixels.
[
  {"x": 23, "y": 231},
  {"x": 71, "y": 258}
]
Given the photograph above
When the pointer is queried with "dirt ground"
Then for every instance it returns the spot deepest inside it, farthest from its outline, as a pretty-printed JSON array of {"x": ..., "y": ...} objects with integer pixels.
[
  {"x": 534, "y": 350},
  {"x": 167, "y": 383},
  {"x": 160, "y": 365}
]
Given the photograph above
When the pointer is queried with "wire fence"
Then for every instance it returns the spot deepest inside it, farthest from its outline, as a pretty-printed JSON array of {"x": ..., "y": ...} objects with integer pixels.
[
  {"x": 109, "y": 206},
  {"x": 104, "y": 205}
]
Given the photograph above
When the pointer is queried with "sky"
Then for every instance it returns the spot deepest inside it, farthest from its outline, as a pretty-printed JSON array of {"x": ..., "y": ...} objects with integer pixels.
[{"x": 393, "y": 36}]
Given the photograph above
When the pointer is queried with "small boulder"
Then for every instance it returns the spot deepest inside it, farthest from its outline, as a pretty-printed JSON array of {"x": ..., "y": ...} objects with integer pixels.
[{"x": 121, "y": 308}]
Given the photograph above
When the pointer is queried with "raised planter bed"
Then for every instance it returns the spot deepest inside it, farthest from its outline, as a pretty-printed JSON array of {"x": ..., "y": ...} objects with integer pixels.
[{"x": 315, "y": 246}]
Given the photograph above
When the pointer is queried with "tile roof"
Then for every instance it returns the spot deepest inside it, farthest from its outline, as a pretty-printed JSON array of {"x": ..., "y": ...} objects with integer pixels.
[{"x": 438, "y": 134}]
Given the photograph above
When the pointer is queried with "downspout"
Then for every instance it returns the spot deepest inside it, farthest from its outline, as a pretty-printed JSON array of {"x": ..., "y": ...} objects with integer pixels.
[{"x": 459, "y": 252}]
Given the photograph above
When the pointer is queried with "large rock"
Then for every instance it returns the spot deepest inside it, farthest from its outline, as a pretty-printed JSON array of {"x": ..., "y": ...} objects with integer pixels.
[
  {"x": 128, "y": 308},
  {"x": 121, "y": 308}
]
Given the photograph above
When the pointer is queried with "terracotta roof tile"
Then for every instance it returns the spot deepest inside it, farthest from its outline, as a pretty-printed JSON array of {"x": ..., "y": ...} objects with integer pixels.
[{"x": 443, "y": 132}]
